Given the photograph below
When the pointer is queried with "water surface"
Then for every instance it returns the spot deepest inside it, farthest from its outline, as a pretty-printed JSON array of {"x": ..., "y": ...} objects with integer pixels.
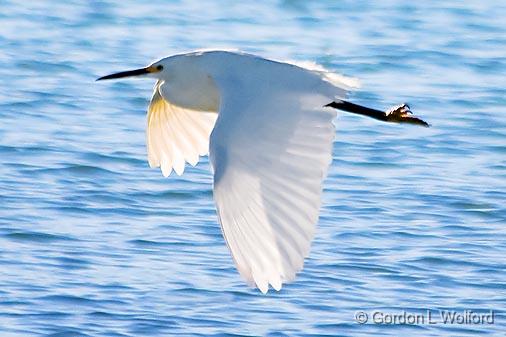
[{"x": 94, "y": 243}]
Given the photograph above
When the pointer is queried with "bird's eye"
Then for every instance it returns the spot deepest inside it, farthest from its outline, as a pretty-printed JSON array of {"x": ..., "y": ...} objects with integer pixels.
[{"x": 159, "y": 67}]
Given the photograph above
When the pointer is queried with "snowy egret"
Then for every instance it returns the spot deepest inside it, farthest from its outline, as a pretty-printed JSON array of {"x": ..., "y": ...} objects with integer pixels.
[{"x": 268, "y": 128}]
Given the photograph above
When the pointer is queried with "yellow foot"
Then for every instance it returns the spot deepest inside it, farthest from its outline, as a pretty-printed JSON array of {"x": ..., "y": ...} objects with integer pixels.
[{"x": 402, "y": 114}]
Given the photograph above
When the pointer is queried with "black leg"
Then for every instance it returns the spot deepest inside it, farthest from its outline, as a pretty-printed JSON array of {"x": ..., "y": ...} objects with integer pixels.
[{"x": 398, "y": 114}]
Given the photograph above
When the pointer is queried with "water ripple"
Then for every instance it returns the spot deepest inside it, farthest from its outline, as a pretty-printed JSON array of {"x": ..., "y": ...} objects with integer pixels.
[{"x": 95, "y": 243}]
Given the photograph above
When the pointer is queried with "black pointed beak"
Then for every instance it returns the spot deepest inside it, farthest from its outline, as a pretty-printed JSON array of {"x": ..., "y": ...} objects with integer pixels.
[{"x": 129, "y": 73}]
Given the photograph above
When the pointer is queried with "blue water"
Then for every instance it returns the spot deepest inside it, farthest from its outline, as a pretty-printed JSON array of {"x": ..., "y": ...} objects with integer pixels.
[{"x": 94, "y": 243}]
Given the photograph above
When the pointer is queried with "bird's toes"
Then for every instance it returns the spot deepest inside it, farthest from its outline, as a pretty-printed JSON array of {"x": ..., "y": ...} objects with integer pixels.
[
  {"x": 403, "y": 114},
  {"x": 399, "y": 110}
]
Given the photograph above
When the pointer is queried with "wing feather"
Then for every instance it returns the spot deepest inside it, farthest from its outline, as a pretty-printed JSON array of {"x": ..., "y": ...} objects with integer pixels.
[
  {"x": 176, "y": 135},
  {"x": 270, "y": 155}
]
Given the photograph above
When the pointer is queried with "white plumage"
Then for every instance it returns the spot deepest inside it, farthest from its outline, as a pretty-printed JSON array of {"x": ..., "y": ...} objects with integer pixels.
[
  {"x": 270, "y": 142},
  {"x": 176, "y": 135}
]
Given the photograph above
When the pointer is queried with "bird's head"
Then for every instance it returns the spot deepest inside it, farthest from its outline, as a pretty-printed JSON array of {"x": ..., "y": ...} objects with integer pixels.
[{"x": 155, "y": 70}]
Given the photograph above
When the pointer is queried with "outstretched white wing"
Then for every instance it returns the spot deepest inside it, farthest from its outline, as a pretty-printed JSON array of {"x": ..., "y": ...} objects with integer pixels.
[
  {"x": 270, "y": 150},
  {"x": 175, "y": 135}
]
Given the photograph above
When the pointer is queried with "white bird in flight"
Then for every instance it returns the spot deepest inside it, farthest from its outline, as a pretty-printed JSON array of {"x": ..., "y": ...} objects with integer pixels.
[{"x": 267, "y": 127}]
